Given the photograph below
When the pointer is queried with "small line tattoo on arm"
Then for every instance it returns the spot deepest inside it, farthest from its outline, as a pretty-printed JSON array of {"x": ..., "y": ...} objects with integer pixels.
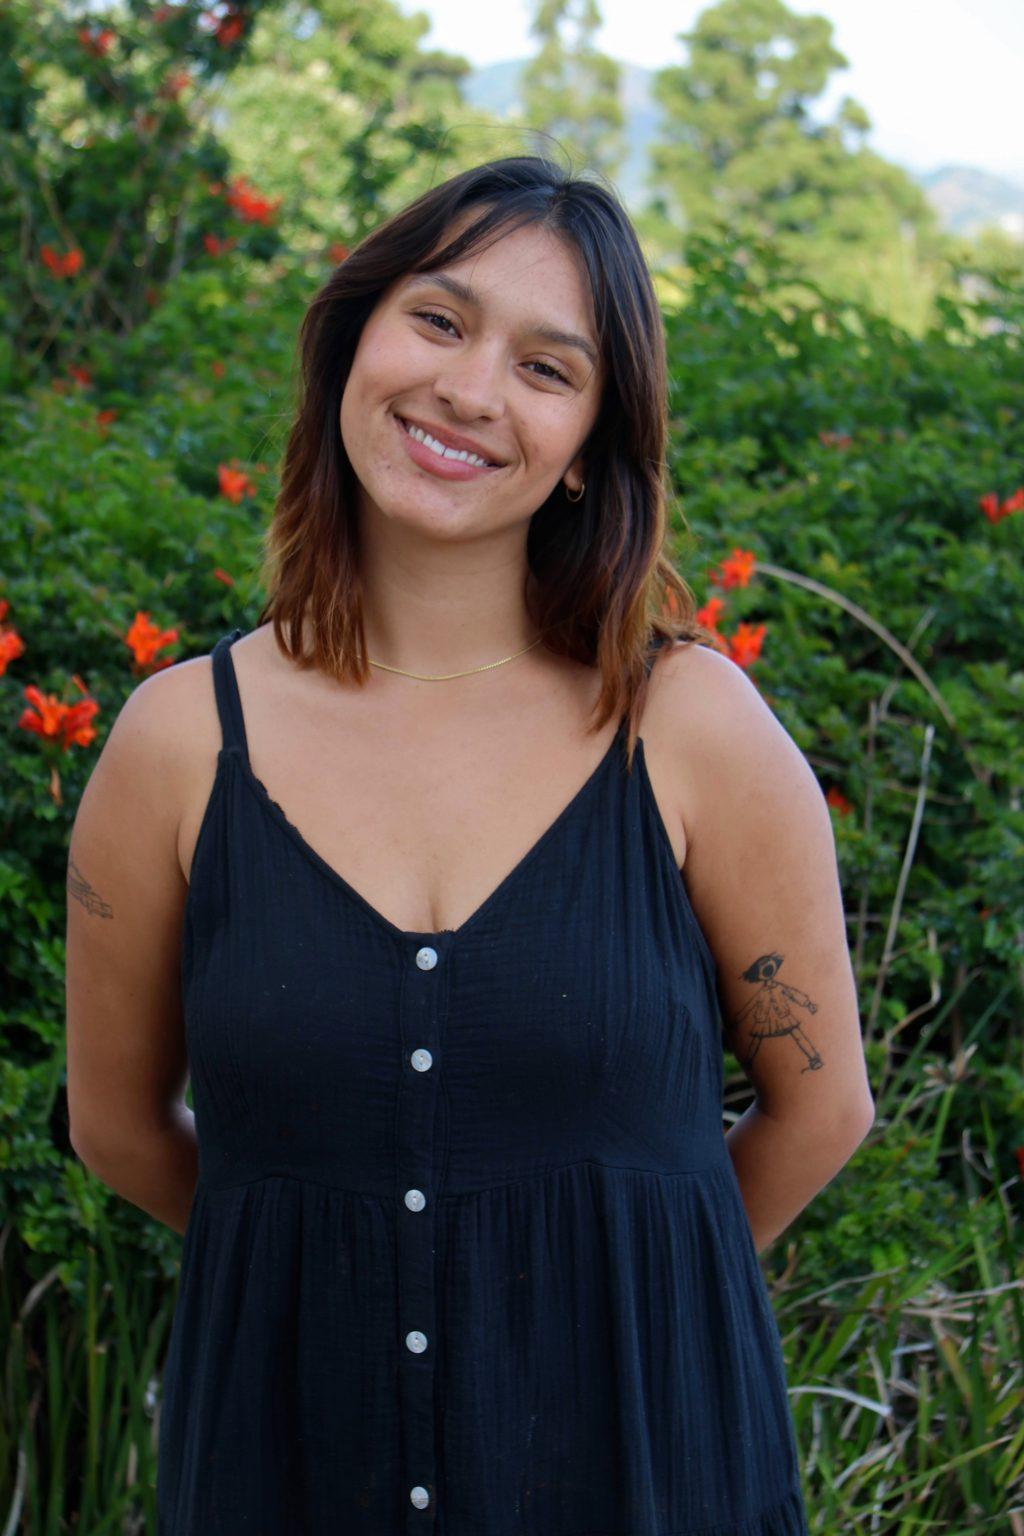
[
  {"x": 771, "y": 1011},
  {"x": 81, "y": 890}
]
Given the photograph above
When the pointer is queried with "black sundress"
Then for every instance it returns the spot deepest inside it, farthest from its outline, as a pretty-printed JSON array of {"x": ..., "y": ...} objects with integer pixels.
[{"x": 467, "y": 1254}]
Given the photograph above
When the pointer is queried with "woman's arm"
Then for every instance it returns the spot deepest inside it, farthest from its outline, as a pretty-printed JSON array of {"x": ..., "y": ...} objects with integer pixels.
[
  {"x": 762, "y": 877},
  {"x": 126, "y": 1062}
]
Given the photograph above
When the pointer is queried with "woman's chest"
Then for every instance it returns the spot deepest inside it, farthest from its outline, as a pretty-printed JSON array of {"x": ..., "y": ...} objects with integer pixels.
[{"x": 424, "y": 841}]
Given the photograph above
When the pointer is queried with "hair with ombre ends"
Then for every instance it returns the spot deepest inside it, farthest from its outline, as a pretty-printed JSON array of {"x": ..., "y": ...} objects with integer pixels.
[{"x": 599, "y": 586}]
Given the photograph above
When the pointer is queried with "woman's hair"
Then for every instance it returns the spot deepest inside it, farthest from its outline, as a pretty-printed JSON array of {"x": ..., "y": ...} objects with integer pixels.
[{"x": 599, "y": 585}]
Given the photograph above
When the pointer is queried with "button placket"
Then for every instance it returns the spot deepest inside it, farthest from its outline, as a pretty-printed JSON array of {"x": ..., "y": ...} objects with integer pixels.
[{"x": 422, "y": 999}]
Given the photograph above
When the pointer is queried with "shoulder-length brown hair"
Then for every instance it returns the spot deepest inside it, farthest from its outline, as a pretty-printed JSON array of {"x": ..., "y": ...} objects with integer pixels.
[{"x": 599, "y": 586}]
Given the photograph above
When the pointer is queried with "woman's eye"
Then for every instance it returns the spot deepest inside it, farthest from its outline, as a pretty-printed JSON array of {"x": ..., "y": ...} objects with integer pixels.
[
  {"x": 430, "y": 314},
  {"x": 554, "y": 372},
  {"x": 433, "y": 314}
]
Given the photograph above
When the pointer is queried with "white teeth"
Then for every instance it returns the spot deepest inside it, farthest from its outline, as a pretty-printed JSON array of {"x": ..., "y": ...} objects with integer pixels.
[{"x": 443, "y": 452}]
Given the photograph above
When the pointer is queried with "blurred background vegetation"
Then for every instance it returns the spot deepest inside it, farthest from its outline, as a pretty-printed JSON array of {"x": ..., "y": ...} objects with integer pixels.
[{"x": 847, "y": 466}]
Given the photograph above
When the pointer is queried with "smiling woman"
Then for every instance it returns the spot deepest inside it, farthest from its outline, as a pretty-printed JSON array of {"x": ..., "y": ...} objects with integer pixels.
[
  {"x": 505, "y": 317},
  {"x": 431, "y": 369},
  {"x": 467, "y": 1251}
]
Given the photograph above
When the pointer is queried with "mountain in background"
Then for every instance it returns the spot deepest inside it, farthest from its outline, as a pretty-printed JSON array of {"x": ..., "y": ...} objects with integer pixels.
[{"x": 965, "y": 198}]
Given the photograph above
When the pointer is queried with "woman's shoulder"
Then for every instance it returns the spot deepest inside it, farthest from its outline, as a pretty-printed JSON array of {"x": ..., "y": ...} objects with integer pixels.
[
  {"x": 713, "y": 708},
  {"x": 182, "y": 707},
  {"x": 695, "y": 668},
  {"x": 720, "y": 732},
  {"x": 709, "y": 720}
]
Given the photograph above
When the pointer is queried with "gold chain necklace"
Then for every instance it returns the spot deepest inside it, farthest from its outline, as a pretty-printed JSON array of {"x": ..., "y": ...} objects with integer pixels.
[{"x": 442, "y": 677}]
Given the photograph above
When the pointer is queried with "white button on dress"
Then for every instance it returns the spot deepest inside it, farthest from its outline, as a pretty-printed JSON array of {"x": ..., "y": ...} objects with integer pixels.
[{"x": 424, "y": 1002}]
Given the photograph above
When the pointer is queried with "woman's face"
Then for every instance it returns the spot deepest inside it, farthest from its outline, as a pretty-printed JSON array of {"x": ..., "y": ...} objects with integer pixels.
[{"x": 476, "y": 371}]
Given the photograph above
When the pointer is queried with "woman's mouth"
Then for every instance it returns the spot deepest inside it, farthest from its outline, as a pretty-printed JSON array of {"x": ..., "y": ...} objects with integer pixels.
[{"x": 448, "y": 463}]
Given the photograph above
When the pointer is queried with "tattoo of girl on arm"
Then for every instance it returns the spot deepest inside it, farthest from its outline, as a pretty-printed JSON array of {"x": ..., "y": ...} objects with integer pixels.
[
  {"x": 81, "y": 890},
  {"x": 771, "y": 1011}
]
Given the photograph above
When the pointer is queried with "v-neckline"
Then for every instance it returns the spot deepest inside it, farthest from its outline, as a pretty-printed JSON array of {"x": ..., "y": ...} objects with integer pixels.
[{"x": 440, "y": 935}]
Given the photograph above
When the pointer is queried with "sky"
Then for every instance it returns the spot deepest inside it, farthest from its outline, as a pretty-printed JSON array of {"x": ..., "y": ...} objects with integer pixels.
[{"x": 940, "y": 81}]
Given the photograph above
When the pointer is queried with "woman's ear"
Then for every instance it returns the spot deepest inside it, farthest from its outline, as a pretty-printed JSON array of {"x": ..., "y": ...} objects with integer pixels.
[{"x": 575, "y": 476}]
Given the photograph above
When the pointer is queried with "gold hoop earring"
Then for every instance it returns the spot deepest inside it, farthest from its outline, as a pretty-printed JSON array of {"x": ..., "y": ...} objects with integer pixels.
[{"x": 579, "y": 493}]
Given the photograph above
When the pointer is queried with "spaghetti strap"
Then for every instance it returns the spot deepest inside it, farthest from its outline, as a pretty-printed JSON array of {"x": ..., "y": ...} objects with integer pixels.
[{"x": 229, "y": 704}]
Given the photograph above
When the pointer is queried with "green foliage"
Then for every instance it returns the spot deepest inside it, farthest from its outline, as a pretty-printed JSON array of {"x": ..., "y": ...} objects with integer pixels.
[
  {"x": 851, "y": 460},
  {"x": 111, "y": 186},
  {"x": 341, "y": 113},
  {"x": 744, "y": 154},
  {"x": 571, "y": 89}
]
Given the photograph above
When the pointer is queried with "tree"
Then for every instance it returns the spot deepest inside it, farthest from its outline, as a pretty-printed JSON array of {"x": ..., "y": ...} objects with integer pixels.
[
  {"x": 742, "y": 151},
  {"x": 571, "y": 90},
  {"x": 340, "y": 112},
  {"x": 112, "y": 181}
]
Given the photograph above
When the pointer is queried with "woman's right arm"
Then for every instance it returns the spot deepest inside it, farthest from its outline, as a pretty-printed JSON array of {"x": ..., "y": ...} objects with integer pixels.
[{"x": 127, "y": 1068}]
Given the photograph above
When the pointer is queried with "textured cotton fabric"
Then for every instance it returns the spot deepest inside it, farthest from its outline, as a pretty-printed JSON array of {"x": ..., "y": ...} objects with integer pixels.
[{"x": 467, "y": 1255}]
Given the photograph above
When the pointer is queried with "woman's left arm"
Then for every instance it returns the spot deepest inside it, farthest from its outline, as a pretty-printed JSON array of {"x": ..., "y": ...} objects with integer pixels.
[{"x": 762, "y": 877}]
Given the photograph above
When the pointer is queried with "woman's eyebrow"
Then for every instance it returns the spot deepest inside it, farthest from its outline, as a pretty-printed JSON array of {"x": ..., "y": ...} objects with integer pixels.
[{"x": 468, "y": 295}]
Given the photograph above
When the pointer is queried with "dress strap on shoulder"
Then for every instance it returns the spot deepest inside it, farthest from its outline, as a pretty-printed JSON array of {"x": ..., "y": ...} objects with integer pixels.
[{"x": 225, "y": 686}]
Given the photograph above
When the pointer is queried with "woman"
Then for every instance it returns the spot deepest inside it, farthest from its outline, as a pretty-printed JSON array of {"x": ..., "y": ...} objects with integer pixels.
[{"x": 466, "y": 1250}]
